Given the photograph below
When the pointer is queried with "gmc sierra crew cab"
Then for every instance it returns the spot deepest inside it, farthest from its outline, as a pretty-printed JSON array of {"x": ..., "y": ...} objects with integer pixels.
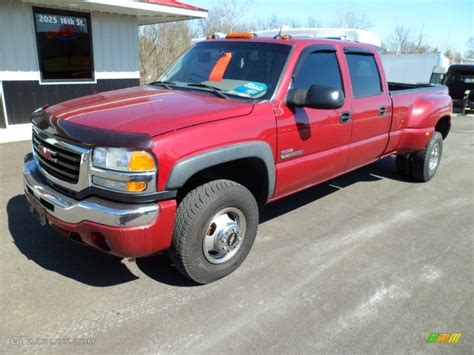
[{"x": 184, "y": 163}]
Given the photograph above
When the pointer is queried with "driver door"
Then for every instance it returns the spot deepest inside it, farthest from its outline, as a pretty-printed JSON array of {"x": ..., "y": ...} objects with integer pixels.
[{"x": 313, "y": 144}]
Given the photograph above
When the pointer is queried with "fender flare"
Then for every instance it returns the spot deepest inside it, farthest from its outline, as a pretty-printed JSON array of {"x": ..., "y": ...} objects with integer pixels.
[{"x": 187, "y": 167}]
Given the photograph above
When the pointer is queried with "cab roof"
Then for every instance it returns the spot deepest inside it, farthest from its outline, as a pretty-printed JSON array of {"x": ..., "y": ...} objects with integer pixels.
[{"x": 297, "y": 41}]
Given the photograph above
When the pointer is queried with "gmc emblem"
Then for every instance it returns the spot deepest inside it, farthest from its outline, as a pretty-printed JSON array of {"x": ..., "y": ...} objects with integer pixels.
[{"x": 47, "y": 153}]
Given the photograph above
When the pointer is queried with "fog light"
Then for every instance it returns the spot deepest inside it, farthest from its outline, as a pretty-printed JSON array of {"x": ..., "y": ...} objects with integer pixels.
[{"x": 136, "y": 186}]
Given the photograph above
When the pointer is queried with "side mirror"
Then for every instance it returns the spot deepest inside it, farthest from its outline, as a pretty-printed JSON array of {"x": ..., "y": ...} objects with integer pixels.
[{"x": 318, "y": 96}]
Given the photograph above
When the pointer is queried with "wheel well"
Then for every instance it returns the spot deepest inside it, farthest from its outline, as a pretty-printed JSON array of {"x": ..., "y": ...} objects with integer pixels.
[
  {"x": 249, "y": 172},
  {"x": 443, "y": 126}
]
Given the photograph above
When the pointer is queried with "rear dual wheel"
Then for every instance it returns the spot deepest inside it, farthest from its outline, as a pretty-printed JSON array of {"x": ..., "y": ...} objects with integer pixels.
[
  {"x": 422, "y": 165},
  {"x": 215, "y": 228}
]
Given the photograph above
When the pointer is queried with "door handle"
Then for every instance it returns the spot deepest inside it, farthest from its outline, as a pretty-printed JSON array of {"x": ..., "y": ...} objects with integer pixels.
[
  {"x": 382, "y": 111},
  {"x": 345, "y": 117}
]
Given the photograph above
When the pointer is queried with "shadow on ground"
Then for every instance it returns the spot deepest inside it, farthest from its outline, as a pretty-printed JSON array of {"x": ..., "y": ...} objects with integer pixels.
[
  {"x": 382, "y": 169},
  {"x": 161, "y": 269},
  {"x": 53, "y": 252}
]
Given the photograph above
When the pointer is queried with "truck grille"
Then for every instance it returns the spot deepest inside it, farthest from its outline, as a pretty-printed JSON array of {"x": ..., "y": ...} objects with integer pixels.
[{"x": 56, "y": 161}]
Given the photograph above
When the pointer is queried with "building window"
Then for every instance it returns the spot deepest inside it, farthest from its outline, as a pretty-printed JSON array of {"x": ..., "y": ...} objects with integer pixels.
[{"x": 64, "y": 43}]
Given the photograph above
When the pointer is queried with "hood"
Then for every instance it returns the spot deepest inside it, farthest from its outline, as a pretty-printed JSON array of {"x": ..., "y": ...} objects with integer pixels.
[{"x": 139, "y": 111}]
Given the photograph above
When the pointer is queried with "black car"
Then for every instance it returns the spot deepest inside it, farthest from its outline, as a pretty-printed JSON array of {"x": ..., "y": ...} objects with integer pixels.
[{"x": 460, "y": 79}]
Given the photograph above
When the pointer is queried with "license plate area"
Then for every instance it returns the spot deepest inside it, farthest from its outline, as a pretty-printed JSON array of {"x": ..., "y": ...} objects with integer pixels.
[{"x": 36, "y": 208}]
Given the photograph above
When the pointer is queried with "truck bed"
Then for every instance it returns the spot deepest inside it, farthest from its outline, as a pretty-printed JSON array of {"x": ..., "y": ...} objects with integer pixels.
[
  {"x": 400, "y": 88},
  {"x": 409, "y": 97}
]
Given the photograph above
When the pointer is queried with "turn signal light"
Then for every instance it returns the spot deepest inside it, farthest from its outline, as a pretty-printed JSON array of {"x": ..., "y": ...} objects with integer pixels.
[
  {"x": 141, "y": 161},
  {"x": 241, "y": 35},
  {"x": 127, "y": 186}
]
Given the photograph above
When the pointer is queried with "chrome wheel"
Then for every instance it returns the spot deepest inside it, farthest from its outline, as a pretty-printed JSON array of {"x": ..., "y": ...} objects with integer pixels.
[
  {"x": 224, "y": 235},
  {"x": 434, "y": 157}
]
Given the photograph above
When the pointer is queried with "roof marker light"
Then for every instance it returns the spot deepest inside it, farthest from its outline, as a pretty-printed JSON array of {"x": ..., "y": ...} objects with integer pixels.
[{"x": 240, "y": 35}]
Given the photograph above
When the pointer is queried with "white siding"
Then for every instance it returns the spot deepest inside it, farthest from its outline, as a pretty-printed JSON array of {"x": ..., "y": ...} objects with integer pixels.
[
  {"x": 17, "y": 37},
  {"x": 115, "y": 42},
  {"x": 114, "y": 38}
]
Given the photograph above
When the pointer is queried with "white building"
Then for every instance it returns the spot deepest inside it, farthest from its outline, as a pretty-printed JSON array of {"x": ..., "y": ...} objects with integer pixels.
[{"x": 55, "y": 50}]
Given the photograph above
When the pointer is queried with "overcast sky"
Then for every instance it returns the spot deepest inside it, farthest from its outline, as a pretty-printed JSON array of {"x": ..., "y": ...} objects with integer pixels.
[{"x": 447, "y": 23}]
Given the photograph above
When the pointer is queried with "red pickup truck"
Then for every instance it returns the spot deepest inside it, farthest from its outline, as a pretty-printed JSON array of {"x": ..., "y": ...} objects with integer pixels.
[{"x": 184, "y": 163}]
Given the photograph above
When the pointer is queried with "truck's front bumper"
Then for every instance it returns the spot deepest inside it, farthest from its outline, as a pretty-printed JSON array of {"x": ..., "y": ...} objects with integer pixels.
[{"x": 126, "y": 230}]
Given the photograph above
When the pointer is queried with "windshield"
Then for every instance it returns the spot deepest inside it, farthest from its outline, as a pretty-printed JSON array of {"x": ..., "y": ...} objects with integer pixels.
[{"x": 239, "y": 69}]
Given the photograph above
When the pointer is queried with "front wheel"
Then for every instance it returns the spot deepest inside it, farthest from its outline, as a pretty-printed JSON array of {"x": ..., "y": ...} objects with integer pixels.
[
  {"x": 425, "y": 163},
  {"x": 216, "y": 224}
]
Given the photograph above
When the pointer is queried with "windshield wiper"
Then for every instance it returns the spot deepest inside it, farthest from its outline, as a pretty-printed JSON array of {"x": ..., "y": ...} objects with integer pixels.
[
  {"x": 213, "y": 89},
  {"x": 166, "y": 84}
]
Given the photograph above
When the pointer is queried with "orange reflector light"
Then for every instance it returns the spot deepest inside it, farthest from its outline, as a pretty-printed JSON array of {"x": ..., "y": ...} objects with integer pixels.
[
  {"x": 241, "y": 35},
  {"x": 284, "y": 37},
  {"x": 141, "y": 161},
  {"x": 136, "y": 186},
  {"x": 218, "y": 71},
  {"x": 427, "y": 134}
]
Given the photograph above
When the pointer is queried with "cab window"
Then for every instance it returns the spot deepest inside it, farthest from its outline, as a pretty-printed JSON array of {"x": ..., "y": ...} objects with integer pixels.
[
  {"x": 364, "y": 73},
  {"x": 318, "y": 68}
]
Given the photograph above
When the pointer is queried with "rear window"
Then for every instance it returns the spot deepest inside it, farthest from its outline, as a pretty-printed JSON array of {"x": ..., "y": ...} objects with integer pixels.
[
  {"x": 245, "y": 69},
  {"x": 459, "y": 76},
  {"x": 364, "y": 75}
]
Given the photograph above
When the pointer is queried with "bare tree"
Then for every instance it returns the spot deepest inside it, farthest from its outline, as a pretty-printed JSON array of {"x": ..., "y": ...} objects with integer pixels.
[
  {"x": 352, "y": 20},
  {"x": 268, "y": 23},
  {"x": 274, "y": 22},
  {"x": 470, "y": 48},
  {"x": 453, "y": 56},
  {"x": 405, "y": 41},
  {"x": 224, "y": 16},
  {"x": 312, "y": 22},
  {"x": 160, "y": 45}
]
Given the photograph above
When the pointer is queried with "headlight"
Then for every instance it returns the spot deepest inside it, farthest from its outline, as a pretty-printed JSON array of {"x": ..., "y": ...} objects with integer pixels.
[
  {"x": 123, "y": 170},
  {"x": 123, "y": 160}
]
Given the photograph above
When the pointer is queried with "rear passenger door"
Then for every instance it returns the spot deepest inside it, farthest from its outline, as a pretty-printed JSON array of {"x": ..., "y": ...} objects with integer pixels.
[{"x": 371, "y": 108}]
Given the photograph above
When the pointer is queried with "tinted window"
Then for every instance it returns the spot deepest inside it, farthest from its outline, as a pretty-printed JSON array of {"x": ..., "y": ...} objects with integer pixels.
[
  {"x": 318, "y": 68},
  {"x": 64, "y": 44},
  {"x": 237, "y": 68},
  {"x": 463, "y": 77},
  {"x": 364, "y": 75}
]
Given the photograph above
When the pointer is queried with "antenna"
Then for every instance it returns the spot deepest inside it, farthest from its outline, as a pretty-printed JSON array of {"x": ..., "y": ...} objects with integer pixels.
[{"x": 278, "y": 36}]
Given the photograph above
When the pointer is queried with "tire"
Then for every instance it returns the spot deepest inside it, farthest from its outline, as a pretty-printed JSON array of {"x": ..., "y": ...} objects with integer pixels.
[
  {"x": 215, "y": 228},
  {"x": 425, "y": 163},
  {"x": 403, "y": 165}
]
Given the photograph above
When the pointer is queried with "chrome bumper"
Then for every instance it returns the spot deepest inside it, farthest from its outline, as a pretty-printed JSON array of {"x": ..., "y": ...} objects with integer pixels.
[{"x": 92, "y": 209}]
